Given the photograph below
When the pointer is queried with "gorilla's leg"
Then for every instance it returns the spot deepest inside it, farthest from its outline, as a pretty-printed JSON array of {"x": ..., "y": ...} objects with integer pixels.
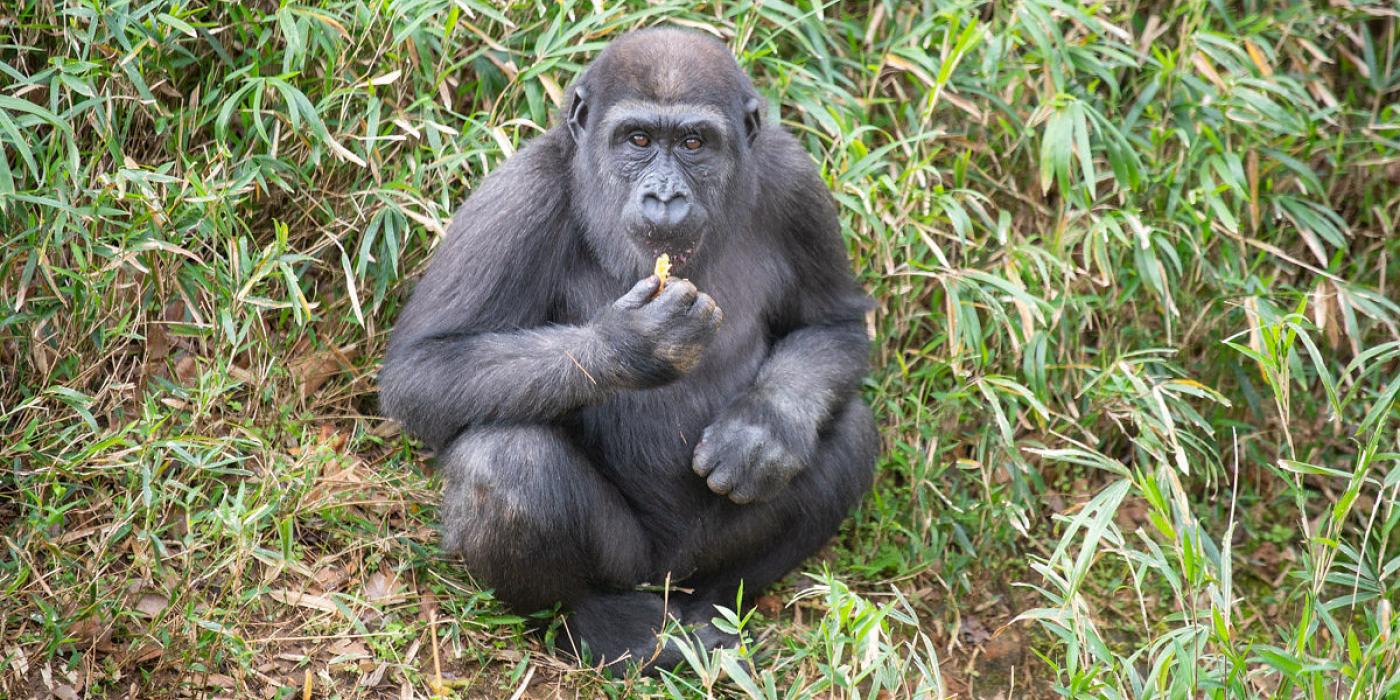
[
  {"x": 532, "y": 517},
  {"x": 534, "y": 520},
  {"x": 759, "y": 543}
]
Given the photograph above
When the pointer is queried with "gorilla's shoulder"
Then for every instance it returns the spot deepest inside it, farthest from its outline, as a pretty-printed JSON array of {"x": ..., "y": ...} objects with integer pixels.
[
  {"x": 527, "y": 192},
  {"x": 793, "y": 192},
  {"x": 542, "y": 162}
]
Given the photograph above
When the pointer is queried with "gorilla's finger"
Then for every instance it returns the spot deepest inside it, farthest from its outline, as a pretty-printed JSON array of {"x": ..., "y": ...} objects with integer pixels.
[
  {"x": 704, "y": 460},
  {"x": 751, "y": 492},
  {"x": 704, "y": 306},
  {"x": 679, "y": 293},
  {"x": 722, "y": 480},
  {"x": 716, "y": 315},
  {"x": 762, "y": 488},
  {"x": 640, "y": 292}
]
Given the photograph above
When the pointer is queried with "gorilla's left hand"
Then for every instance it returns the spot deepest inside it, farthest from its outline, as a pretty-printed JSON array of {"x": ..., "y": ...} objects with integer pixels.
[{"x": 750, "y": 453}]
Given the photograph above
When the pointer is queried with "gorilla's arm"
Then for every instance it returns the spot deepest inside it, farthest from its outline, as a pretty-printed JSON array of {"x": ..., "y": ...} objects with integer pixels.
[
  {"x": 474, "y": 344},
  {"x": 812, "y": 372},
  {"x": 763, "y": 439},
  {"x": 470, "y": 346}
]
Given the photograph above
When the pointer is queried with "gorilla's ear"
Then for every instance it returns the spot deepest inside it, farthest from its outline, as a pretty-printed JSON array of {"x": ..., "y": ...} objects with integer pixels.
[
  {"x": 578, "y": 114},
  {"x": 752, "y": 122}
]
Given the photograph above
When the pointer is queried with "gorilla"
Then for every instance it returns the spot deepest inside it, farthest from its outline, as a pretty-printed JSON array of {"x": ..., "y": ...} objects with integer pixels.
[{"x": 597, "y": 429}]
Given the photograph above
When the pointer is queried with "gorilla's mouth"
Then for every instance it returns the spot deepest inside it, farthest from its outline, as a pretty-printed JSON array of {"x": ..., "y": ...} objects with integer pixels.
[
  {"x": 678, "y": 260},
  {"x": 681, "y": 248}
]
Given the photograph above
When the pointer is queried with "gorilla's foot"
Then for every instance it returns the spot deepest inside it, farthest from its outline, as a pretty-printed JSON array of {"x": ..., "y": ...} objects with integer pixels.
[{"x": 624, "y": 629}]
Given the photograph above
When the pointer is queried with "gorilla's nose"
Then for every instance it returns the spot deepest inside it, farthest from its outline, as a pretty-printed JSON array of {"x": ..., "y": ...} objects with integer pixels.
[{"x": 665, "y": 211}]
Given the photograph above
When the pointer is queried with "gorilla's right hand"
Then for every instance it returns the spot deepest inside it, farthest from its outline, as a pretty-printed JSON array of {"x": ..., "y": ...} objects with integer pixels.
[{"x": 656, "y": 340}]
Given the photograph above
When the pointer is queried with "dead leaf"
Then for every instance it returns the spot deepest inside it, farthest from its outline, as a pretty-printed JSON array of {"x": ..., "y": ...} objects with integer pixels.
[
  {"x": 330, "y": 578},
  {"x": 88, "y": 630},
  {"x": 334, "y": 481},
  {"x": 157, "y": 342},
  {"x": 313, "y": 371},
  {"x": 1005, "y": 647},
  {"x": 1260, "y": 60},
  {"x": 345, "y": 651},
  {"x": 427, "y": 604},
  {"x": 1132, "y": 514},
  {"x": 185, "y": 370},
  {"x": 142, "y": 654},
  {"x": 152, "y": 604},
  {"x": 219, "y": 680},
  {"x": 386, "y": 429},
  {"x": 304, "y": 600},
  {"x": 1203, "y": 65},
  {"x": 769, "y": 605},
  {"x": 381, "y": 586},
  {"x": 972, "y": 631}
]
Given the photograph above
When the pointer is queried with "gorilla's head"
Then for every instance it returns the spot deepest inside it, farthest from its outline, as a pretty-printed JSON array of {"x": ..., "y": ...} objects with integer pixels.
[{"x": 663, "y": 124}]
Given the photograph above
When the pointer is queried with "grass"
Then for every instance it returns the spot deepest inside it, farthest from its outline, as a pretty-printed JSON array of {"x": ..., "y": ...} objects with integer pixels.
[{"x": 1138, "y": 345}]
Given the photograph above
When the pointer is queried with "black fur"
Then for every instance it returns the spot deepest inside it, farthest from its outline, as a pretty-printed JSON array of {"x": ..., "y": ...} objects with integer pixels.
[{"x": 595, "y": 436}]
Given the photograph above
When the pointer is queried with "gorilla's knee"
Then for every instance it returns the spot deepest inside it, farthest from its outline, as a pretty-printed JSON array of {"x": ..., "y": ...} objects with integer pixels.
[
  {"x": 493, "y": 493},
  {"x": 531, "y": 517}
]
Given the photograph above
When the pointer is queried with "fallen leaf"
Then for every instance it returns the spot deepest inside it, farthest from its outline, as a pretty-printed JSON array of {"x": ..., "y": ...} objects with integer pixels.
[
  {"x": 142, "y": 654},
  {"x": 219, "y": 680},
  {"x": 330, "y": 578},
  {"x": 304, "y": 600},
  {"x": 381, "y": 585},
  {"x": 152, "y": 604},
  {"x": 769, "y": 605},
  {"x": 185, "y": 370},
  {"x": 972, "y": 631},
  {"x": 345, "y": 651},
  {"x": 157, "y": 342},
  {"x": 427, "y": 604},
  {"x": 88, "y": 630},
  {"x": 313, "y": 371}
]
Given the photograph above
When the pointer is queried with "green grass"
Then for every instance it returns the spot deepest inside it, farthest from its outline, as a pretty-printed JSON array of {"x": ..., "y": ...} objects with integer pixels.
[{"x": 1138, "y": 345}]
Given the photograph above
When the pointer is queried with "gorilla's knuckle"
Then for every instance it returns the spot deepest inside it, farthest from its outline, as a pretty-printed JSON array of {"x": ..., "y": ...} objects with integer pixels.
[{"x": 757, "y": 434}]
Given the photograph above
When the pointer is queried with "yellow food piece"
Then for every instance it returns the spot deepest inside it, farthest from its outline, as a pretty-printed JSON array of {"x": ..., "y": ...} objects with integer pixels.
[{"x": 663, "y": 270}]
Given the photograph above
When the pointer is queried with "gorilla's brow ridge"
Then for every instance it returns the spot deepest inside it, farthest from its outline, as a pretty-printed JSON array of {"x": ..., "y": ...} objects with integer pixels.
[{"x": 684, "y": 112}]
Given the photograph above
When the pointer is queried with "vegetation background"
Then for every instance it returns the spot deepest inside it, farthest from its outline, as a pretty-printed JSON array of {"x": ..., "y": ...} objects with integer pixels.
[{"x": 1138, "y": 356}]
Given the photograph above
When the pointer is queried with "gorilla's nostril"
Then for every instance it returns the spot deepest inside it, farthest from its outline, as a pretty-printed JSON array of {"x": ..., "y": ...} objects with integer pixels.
[
  {"x": 653, "y": 208},
  {"x": 667, "y": 210},
  {"x": 677, "y": 208}
]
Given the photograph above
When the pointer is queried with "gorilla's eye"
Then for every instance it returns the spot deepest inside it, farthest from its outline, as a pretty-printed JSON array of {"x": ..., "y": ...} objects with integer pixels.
[
  {"x": 692, "y": 143},
  {"x": 639, "y": 140}
]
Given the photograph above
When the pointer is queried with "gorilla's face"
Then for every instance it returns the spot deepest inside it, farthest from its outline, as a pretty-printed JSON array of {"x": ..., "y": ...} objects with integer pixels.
[
  {"x": 668, "y": 168},
  {"x": 653, "y": 176},
  {"x": 658, "y": 177}
]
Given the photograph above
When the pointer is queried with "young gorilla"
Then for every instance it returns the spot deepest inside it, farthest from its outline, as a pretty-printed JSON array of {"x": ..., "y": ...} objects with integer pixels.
[{"x": 595, "y": 434}]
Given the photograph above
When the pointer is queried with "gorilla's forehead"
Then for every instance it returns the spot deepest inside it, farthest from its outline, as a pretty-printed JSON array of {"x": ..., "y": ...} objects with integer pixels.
[
  {"x": 669, "y": 65},
  {"x": 675, "y": 113}
]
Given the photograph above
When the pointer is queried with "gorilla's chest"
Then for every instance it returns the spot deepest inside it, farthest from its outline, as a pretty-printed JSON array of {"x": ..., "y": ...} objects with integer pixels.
[{"x": 653, "y": 432}]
